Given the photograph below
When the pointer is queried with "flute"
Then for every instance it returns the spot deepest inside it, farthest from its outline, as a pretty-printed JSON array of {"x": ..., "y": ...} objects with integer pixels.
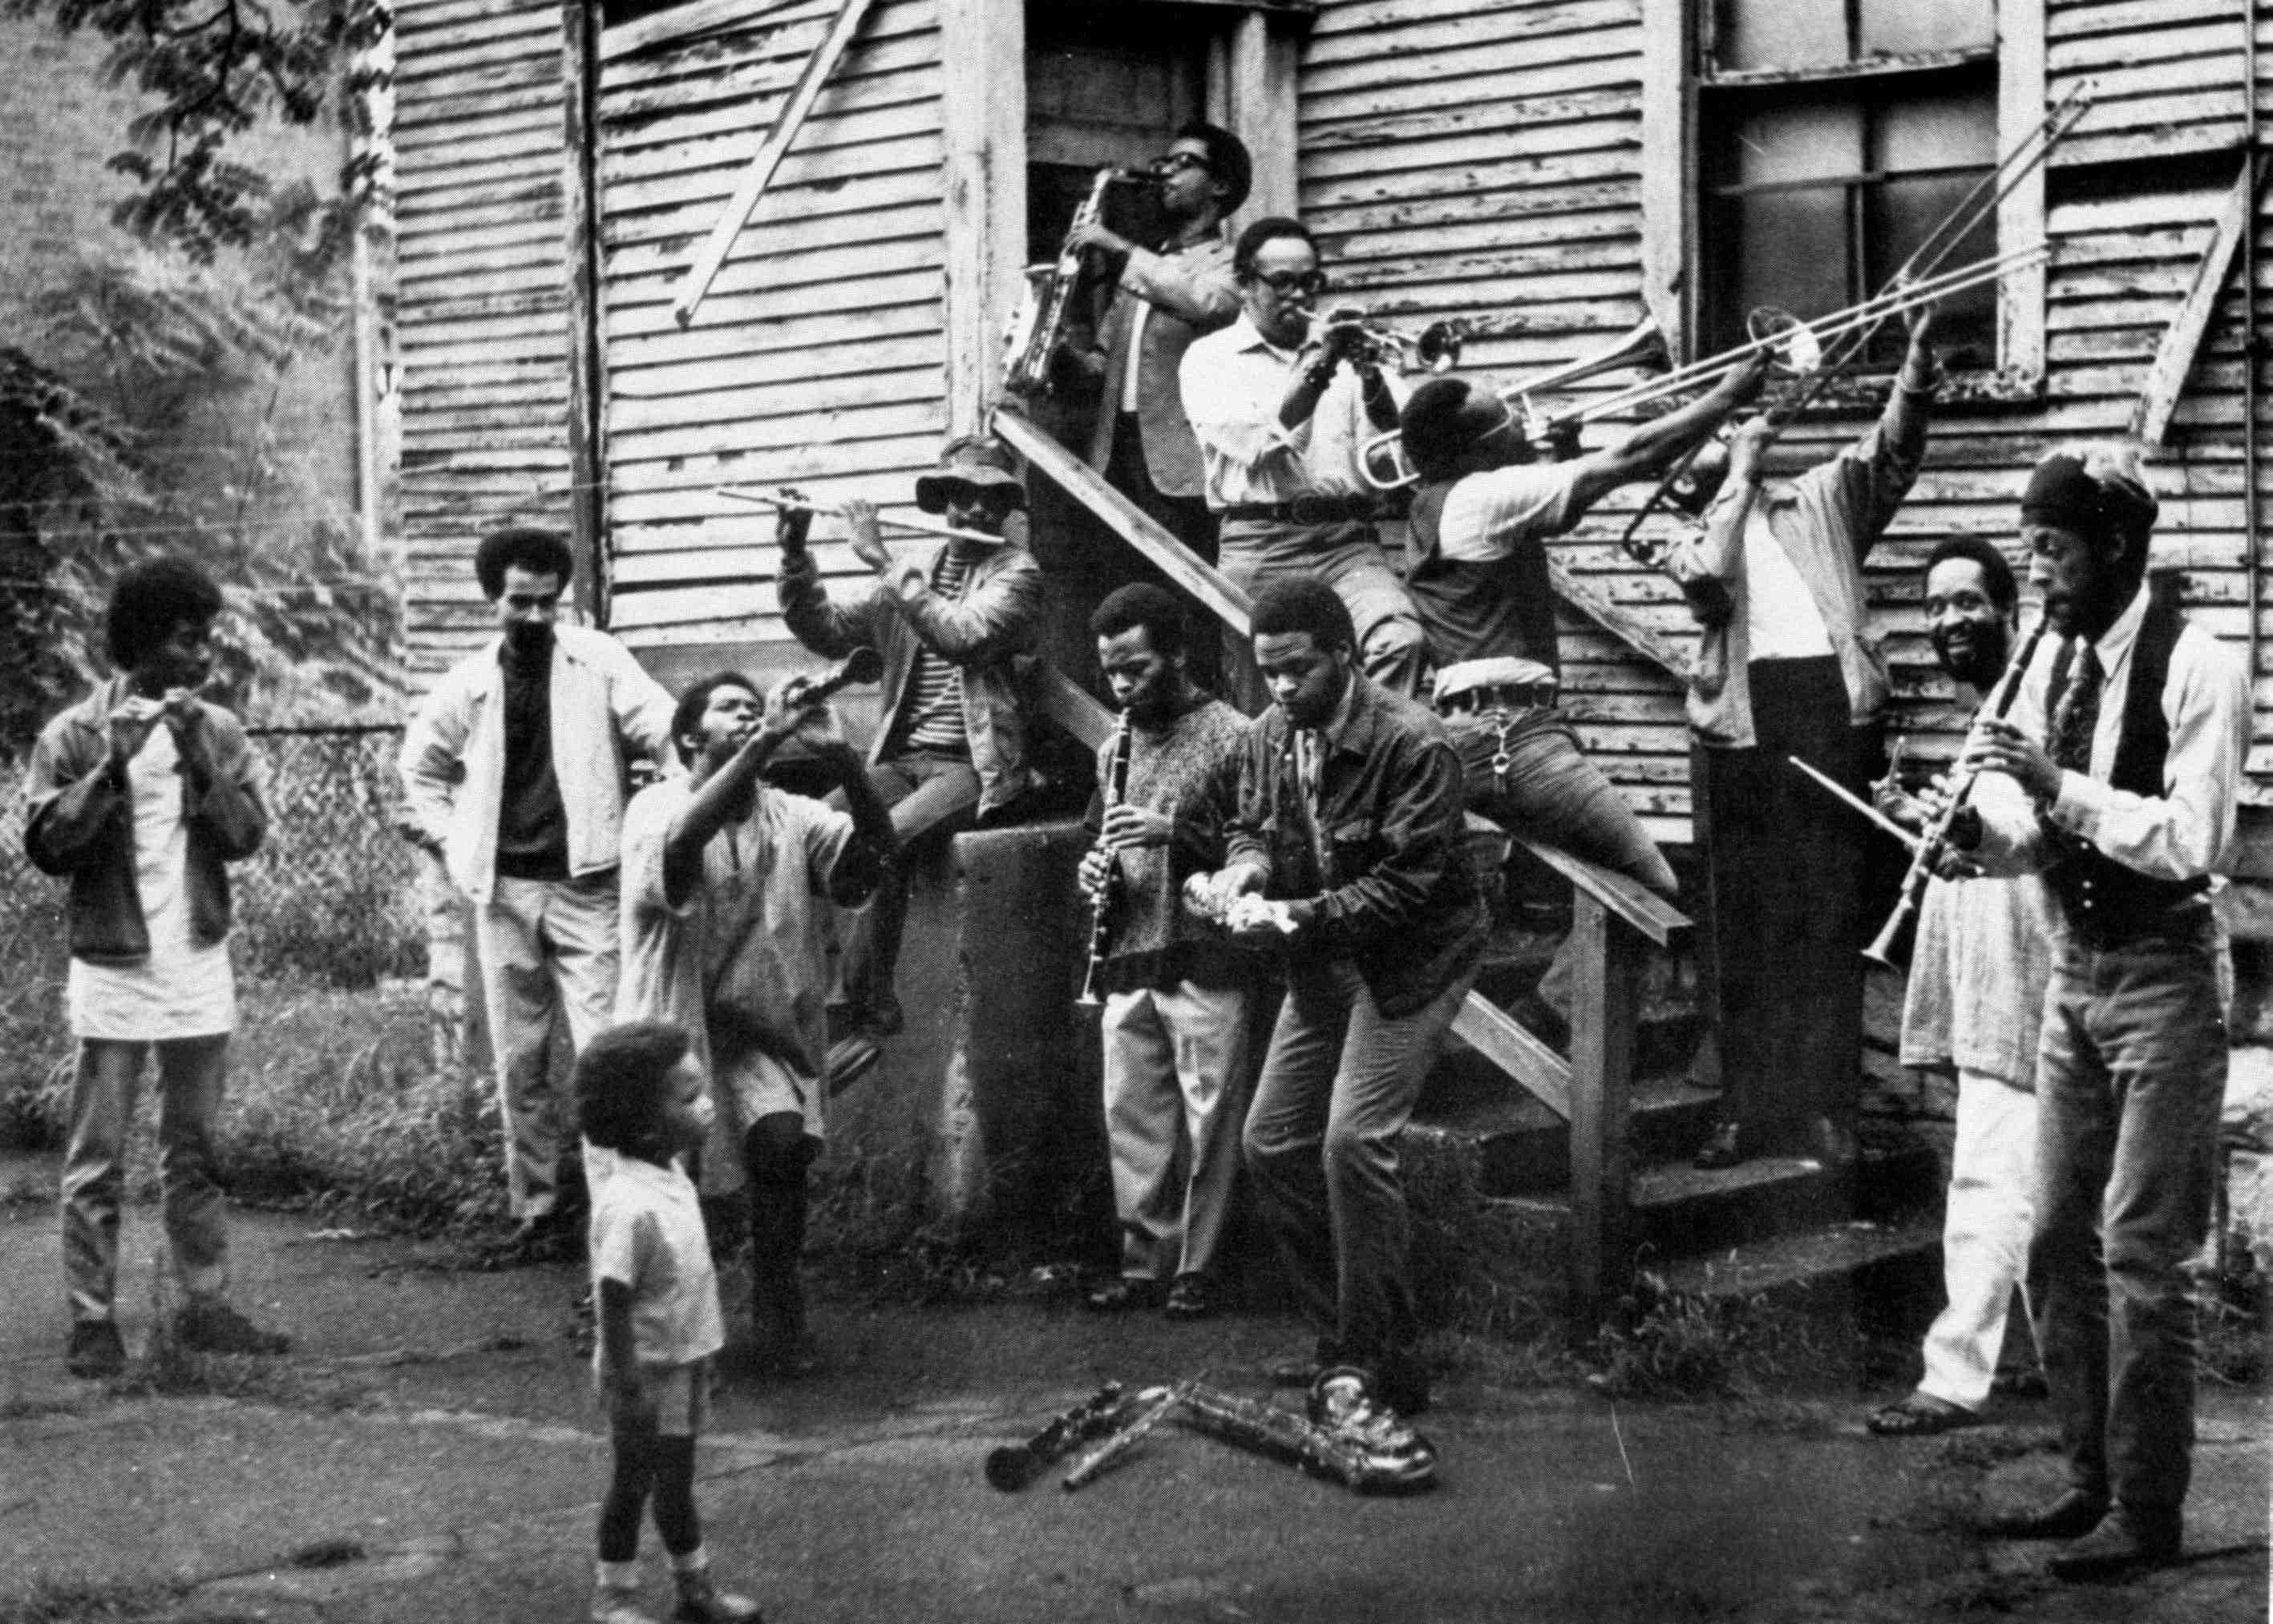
[
  {"x": 1891, "y": 947},
  {"x": 1108, "y": 889},
  {"x": 789, "y": 500}
]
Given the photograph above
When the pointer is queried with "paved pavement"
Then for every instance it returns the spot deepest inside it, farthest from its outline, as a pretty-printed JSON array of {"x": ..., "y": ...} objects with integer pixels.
[{"x": 430, "y": 1452}]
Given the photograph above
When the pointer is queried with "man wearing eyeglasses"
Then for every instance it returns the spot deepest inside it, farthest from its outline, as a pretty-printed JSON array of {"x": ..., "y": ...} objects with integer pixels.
[
  {"x": 1282, "y": 407},
  {"x": 1142, "y": 441},
  {"x": 951, "y": 748}
]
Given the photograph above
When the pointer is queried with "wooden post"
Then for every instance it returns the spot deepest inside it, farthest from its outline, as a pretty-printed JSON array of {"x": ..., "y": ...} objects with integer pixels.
[
  {"x": 2020, "y": 64},
  {"x": 983, "y": 48},
  {"x": 1604, "y": 1004},
  {"x": 1668, "y": 211},
  {"x": 580, "y": 195},
  {"x": 1259, "y": 109}
]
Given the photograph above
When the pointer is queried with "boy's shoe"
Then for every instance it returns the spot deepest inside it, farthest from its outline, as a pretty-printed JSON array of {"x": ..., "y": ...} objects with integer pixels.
[
  {"x": 701, "y": 1601},
  {"x": 95, "y": 1353},
  {"x": 611, "y": 1606},
  {"x": 1396, "y": 1457},
  {"x": 216, "y": 1327}
]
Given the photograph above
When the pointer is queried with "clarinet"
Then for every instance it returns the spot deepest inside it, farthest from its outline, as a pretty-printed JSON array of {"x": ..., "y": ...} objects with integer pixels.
[
  {"x": 1891, "y": 947},
  {"x": 1013, "y": 1466},
  {"x": 1108, "y": 889}
]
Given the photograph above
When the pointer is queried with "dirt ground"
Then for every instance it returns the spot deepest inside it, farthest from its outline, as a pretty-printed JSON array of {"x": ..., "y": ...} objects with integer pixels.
[{"x": 429, "y": 1451}]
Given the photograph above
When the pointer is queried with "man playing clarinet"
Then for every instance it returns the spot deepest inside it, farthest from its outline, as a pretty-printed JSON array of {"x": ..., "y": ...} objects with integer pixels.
[
  {"x": 1176, "y": 993},
  {"x": 2115, "y": 778}
]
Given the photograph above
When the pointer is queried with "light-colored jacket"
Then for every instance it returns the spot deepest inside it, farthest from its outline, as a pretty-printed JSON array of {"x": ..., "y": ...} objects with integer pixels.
[
  {"x": 605, "y": 708},
  {"x": 1826, "y": 521},
  {"x": 989, "y": 631},
  {"x": 1191, "y": 291}
]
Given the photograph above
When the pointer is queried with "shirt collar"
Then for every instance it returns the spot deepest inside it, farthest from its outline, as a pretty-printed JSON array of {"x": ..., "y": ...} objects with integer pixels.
[
  {"x": 1245, "y": 335},
  {"x": 1351, "y": 726},
  {"x": 2114, "y": 645},
  {"x": 668, "y": 1181}
]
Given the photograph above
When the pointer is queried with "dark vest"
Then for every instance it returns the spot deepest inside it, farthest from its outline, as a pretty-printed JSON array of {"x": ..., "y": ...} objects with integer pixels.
[
  {"x": 2099, "y": 897},
  {"x": 1480, "y": 611}
]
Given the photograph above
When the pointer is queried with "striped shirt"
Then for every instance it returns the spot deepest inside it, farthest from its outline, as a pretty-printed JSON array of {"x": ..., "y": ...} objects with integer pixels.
[{"x": 935, "y": 710}]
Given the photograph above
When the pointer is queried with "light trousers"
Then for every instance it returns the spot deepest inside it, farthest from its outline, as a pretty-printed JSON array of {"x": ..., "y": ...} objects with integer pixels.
[
  {"x": 191, "y": 1071},
  {"x": 1984, "y": 1236},
  {"x": 546, "y": 946},
  {"x": 1175, "y": 1099}
]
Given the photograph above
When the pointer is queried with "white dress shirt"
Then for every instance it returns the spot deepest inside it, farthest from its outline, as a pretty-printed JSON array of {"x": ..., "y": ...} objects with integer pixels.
[
  {"x": 2177, "y": 836},
  {"x": 1781, "y": 620},
  {"x": 1235, "y": 381}
]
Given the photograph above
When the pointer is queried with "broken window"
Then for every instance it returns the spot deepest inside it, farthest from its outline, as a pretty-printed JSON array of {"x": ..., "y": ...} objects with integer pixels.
[{"x": 1832, "y": 139}]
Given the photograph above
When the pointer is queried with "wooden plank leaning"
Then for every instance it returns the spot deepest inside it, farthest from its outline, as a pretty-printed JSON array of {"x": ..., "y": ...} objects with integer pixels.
[
  {"x": 702, "y": 270},
  {"x": 2166, "y": 380}
]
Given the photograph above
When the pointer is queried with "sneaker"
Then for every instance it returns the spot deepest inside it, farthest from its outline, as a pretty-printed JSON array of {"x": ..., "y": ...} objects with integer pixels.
[
  {"x": 1397, "y": 1458},
  {"x": 95, "y": 1353},
  {"x": 701, "y": 1601},
  {"x": 611, "y": 1606},
  {"x": 216, "y": 1327}
]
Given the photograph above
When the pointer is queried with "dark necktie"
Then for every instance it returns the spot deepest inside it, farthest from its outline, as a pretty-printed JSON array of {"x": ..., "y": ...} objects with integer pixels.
[{"x": 2076, "y": 718}]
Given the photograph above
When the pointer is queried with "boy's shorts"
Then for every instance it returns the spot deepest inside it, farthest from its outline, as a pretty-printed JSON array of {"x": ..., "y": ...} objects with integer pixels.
[{"x": 682, "y": 1397}]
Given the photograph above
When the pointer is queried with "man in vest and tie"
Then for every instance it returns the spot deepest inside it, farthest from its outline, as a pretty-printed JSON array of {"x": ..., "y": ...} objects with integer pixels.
[{"x": 2114, "y": 777}]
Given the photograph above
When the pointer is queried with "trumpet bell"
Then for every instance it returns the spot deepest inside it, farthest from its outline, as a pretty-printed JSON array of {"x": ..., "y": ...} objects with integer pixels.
[
  {"x": 1791, "y": 343},
  {"x": 1438, "y": 347}
]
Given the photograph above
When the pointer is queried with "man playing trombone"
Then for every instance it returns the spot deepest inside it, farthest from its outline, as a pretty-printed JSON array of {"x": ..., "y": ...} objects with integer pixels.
[
  {"x": 1787, "y": 667},
  {"x": 1479, "y": 519},
  {"x": 951, "y": 747}
]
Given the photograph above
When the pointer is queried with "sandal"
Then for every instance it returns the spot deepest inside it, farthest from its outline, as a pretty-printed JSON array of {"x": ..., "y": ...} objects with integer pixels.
[{"x": 1920, "y": 1416}]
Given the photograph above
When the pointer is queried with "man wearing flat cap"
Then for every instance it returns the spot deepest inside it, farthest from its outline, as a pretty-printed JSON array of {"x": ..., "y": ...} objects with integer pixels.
[
  {"x": 2114, "y": 778},
  {"x": 951, "y": 620}
]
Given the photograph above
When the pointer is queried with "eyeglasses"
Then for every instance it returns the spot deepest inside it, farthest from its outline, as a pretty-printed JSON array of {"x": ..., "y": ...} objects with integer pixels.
[
  {"x": 1293, "y": 282},
  {"x": 963, "y": 493},
  {"x": 1171, "y": 163}
]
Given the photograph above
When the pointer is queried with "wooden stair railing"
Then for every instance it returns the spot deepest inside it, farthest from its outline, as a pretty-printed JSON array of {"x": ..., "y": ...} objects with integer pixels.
[{"x": 1615, "y": 922}]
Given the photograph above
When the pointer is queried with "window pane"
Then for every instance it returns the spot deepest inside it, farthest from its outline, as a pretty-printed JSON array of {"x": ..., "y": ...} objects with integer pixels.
[
  {"x": 1802, "y": 141},
  {"x": 1896, "y": 217},
  {"x": 1906, "y": 27},
  {"x": 1780, "y": 33},
  {"x": 1944, "y": 131},
  {"x": 1785, "y": 248}
]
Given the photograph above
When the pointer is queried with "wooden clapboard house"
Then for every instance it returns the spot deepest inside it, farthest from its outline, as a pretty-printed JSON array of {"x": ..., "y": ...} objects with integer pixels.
[{"x": 1547, "y": 173}]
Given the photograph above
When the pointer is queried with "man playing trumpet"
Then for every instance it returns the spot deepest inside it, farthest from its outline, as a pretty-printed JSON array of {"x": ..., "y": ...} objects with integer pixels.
[
  {"x": 1282, "y": 414},
  {"x": 1174, "y": 1022}
]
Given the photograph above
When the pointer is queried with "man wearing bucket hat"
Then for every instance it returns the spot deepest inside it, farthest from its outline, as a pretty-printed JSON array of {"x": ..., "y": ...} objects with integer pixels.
[{"x": 950, "y": 621}]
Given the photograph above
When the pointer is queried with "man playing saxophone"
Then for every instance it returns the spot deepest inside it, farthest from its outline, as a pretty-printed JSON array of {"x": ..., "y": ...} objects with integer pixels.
[{"x": 1174, "y": 1022}]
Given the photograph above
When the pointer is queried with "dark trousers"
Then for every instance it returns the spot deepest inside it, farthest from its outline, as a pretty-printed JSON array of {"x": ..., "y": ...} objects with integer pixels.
[
  {"x": 1550, "y": 792},
  {"x": 2130, "y": 1079},
  {"x": 1338, "y": 1088},
  {"x": 1786, "y": 877},
  {"x": 932, "y": 798}
]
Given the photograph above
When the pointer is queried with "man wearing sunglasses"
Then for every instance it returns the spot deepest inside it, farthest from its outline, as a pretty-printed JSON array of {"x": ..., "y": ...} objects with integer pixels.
[
  {"x": 951, "y": 747},
  {"x": 1164, "y": 299},
  {"x": 1282, "y": 406}
]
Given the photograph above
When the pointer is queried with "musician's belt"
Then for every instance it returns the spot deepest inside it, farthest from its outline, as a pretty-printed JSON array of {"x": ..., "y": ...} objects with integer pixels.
[
  {"x": 1500, "y": 696},
  {"x": 1321, "y": 509}
]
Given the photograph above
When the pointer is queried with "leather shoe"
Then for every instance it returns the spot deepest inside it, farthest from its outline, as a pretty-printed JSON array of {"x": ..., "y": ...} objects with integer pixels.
[
  {"x": 2126, "y": 1541},
  {"x": 1722, "y": 1147},
  {"x": 2073, "y": 1515}
]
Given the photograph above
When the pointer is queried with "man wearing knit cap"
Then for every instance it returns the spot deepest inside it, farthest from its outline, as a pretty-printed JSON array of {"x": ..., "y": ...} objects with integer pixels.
[{"x": 2114, "y": 777}]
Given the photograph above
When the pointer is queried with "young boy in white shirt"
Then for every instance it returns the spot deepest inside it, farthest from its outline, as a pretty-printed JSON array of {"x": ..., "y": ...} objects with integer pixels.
[{"x": 643, "y": 1102}]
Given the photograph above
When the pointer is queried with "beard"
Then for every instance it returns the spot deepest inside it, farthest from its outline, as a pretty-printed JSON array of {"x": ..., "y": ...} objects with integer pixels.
[
  {"x": 530, "y": 639},
  {"x": 1980, "y": 659}
]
